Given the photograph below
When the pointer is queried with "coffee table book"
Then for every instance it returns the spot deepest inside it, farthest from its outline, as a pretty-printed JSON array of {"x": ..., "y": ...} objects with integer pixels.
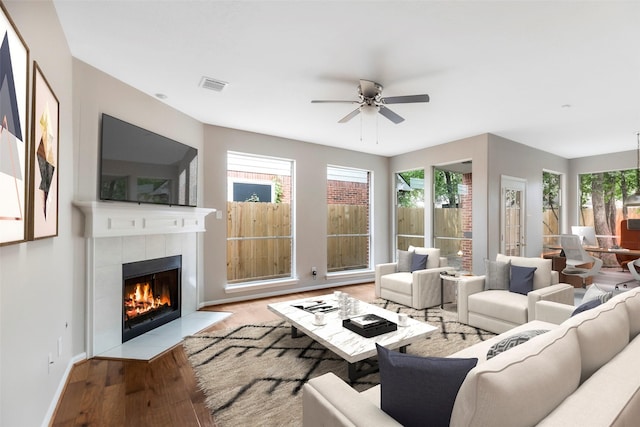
[{"x": 369, "y": 325}]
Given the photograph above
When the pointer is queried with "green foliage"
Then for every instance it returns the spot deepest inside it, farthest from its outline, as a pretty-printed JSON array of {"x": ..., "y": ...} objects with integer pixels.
[
  {"x": 412, "y": 198},
  {"x": 616, "y": 185},
  {"x": 446, "y": 186},
  {"x": 551, "y": 191},
  {"x": 278, "y": 190}
]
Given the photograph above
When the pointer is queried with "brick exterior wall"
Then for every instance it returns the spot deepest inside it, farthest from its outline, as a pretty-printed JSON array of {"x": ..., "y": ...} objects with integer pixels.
[
  {"x": 347, "y": 193},
  {"x": 285, "y": 181}
]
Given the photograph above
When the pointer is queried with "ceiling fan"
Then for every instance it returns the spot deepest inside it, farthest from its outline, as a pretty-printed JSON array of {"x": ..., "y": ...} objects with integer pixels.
[{"x": 370, "y": 96}]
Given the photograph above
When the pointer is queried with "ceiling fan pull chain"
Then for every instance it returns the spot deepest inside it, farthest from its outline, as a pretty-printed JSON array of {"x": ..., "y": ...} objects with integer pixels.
[{"x": 377, "y": 116}]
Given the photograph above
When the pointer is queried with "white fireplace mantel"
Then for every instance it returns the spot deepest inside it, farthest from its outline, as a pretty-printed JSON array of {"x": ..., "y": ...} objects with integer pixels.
[
  {"x": 118, "y": 233},
  {"x": 112, "y": 219}
]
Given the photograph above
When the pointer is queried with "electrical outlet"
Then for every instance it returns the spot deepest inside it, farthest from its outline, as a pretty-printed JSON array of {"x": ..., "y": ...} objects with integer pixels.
[{"x": 314, "y": 272}]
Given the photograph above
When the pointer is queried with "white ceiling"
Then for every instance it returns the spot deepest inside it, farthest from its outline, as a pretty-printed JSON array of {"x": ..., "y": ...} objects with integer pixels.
[{"x": 561, "y": 76}]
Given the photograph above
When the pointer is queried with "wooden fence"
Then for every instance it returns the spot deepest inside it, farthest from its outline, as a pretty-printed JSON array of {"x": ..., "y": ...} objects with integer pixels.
[
  {"x": 348, "y": 237},
  {"x": 259, "y": 240}
]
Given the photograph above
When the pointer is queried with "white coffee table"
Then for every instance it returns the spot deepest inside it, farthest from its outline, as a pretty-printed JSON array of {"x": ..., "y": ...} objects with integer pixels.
[{"x": 347, "y": 344}]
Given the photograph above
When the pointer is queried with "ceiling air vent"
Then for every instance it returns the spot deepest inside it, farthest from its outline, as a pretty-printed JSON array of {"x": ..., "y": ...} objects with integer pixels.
[{"x": 212, "y": 84}]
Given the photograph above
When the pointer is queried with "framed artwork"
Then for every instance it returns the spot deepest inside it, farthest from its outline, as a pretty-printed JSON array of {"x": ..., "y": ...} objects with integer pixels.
[
  {"x": 14, "y": 76},
  {"x": 43, "y": 183}
]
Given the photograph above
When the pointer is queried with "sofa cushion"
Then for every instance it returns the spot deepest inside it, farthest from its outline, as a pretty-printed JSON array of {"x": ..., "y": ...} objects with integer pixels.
[
  {"x": 496, "y": 275},
  {"x": 523, "y": 387},
  {"x": 631, "y": 299},
  {"x": 596, "y": 292},
  {"x": 404, "y": 260},
  {"x": 602, "y": 333},
  {"x": 504, "y": 305},
  {"x": 398, "y": 282},
  {"x": 418, "y": 391},
  {"x": 521, "y": 280},
  {"x": 512, "y": 341},
  {"x": 418, "y": 262},
  {"x": 542, "y": 276},
  {"x": 608, "y": 398}
]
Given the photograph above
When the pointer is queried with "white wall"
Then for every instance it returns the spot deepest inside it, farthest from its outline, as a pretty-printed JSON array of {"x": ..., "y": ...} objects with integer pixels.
[
  {"x": 39, "y": 293},
  {"x": 311, "y": 162}
]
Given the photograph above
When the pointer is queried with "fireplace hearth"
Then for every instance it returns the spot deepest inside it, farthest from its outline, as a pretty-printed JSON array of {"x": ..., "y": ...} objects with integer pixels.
[{"x": 151, "y": 294}]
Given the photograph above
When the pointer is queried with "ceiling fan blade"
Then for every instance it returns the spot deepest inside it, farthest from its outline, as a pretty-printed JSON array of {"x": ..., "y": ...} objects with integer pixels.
[
  {"x": 349, "y": 116},
  {"x": 320, "y": 101},
  {"x": 405, "y": 99},
  {"x": 390, "y": 115}
]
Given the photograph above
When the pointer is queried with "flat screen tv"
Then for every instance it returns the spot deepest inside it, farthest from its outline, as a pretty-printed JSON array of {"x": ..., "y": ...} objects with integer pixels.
[{"x": 140, "y": 166}]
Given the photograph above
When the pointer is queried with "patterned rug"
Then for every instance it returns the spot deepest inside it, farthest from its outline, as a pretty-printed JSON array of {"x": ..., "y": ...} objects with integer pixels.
[{"x": 253, "y": 374}]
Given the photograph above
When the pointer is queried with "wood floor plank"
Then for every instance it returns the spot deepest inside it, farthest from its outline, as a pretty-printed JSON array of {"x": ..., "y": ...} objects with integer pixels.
[{"x": 164, "y": 391}]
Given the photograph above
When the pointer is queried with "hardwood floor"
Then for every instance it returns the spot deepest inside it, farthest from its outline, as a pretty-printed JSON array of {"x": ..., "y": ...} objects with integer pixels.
[{"x": 162, "y": 392}]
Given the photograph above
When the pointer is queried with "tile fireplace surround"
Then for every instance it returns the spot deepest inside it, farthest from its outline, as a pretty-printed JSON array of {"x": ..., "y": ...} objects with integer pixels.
[{"x": 118, "y": 233}]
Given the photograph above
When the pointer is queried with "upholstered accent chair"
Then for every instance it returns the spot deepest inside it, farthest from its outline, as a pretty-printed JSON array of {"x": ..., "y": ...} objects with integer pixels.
[
  {"x": 498, "y": 307},
  {"x": 416, "y": 285}
]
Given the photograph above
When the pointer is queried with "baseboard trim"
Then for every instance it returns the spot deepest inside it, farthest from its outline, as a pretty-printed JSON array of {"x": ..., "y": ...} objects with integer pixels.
[
  {"x": 354, "y": 281},
  {"x": 61, "y": 387}
]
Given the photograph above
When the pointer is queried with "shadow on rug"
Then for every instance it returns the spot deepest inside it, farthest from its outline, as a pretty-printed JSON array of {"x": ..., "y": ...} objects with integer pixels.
[{"x": 253, "y": 374}]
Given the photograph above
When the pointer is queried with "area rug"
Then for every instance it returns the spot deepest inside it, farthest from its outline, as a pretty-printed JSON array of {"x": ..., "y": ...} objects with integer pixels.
[{"x": 253, "y": 374}]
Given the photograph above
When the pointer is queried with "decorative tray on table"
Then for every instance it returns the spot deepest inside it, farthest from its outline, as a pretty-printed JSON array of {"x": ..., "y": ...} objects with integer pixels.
[{"x": 369, "y": 325}]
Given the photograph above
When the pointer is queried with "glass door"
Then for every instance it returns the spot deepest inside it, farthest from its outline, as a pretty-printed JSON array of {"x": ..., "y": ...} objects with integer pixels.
[{"x": 512, "y": 215}]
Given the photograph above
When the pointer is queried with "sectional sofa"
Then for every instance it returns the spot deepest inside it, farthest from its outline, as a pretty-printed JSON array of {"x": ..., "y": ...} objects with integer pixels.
[{"x": 582, "y": 372}]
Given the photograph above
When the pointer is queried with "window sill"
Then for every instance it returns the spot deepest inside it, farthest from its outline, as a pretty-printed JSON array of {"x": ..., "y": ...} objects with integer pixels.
[
  {"x": 350, "y": 274},
  {"x": 244, "y": 287}
]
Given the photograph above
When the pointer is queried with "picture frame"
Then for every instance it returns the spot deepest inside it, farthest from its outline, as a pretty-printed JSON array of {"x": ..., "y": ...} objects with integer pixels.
[
  {"x": 14, "y": 144},
  {"x": 44, "y": 158}
]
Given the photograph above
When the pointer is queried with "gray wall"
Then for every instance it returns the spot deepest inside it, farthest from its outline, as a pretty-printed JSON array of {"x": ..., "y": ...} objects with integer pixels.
[
  {"x": 39, "y": 289},
  {"x": 510, "y": 158},
  {"x": 474, "y": 149},
  {"x": 311, "y": 162}
]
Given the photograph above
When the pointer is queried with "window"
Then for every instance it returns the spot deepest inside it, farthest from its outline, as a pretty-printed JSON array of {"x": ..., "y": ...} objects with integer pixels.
[
  {"x": 348, "y": 231},
  {"x": 452, "y": 214},
  {"x": 550, "y": 208},
  {"x": 601, "y": 197},
  {"x": 409, "y": 209},
  {"x": 259, "y": 225}
]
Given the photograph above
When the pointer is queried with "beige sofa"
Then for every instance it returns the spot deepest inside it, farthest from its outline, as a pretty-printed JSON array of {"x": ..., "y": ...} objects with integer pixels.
[
  {"x": 498, "y": 310},
  {"x": 419, "y": 289},
  {"x": 582, "y": 372}
]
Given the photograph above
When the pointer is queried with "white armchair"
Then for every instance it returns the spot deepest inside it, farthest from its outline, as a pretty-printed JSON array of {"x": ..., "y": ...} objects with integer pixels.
[
  {"x": 500, "y": 310},
  {"x": 418, "y": 289}
]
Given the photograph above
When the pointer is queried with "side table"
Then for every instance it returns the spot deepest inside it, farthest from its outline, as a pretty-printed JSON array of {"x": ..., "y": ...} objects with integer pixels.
[{"x": 454, "y": 279}]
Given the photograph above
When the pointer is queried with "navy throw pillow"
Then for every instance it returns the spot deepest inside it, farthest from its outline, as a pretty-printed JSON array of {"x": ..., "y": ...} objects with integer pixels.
[
  {"x": 420, "y": 391},
  {"x": 521, "y": 280},
  {"x": 586, "y": 306},
  {"x": 418, "y": 262}
]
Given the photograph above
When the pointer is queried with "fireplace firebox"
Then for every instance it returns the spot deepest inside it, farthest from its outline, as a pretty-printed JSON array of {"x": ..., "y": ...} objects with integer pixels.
[{"x": 151, "y": 293}]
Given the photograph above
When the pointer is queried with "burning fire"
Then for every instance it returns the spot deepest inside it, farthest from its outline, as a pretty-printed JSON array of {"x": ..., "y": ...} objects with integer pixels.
[{"x": 142, "y": 300}]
